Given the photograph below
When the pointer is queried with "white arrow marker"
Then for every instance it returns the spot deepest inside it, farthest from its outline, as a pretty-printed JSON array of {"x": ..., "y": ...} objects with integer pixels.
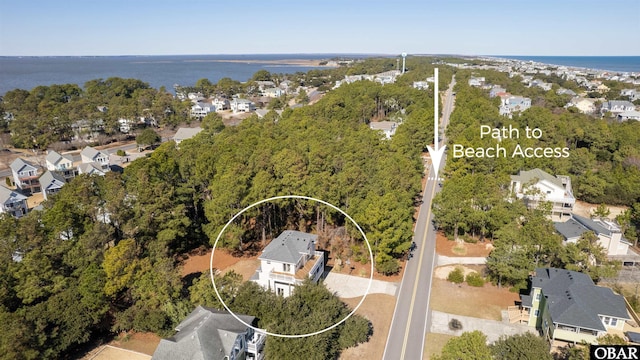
[{"x": 437, "y": 153}]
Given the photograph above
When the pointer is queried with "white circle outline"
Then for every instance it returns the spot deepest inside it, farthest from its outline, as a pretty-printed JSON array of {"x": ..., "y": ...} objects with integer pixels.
[{"x": 290, "y": 197}]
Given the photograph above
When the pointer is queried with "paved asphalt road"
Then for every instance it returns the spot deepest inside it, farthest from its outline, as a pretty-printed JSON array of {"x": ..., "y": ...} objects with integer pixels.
[{"x": 410, "y": 318}]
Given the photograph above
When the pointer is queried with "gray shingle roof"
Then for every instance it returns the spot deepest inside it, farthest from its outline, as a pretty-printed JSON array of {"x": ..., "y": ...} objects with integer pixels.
[
  {"x": 53, "y": 157},
  {"x": 18, "y": 164},
  {"x": 8, "y": 194},
  {"x": 570, "y": 229},
  {"x": 206, "y": 334},
  {"x": 51, "y": 179},
  {"x": 573, "y": 299},
  {"x": 288, "y": 247}
]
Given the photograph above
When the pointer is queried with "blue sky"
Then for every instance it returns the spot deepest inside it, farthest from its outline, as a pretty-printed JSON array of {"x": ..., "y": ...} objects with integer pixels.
[{"x": 469, "y": 27}]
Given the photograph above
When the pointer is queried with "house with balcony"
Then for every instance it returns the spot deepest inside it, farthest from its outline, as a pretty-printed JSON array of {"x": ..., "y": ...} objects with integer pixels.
[
  {"x": 51, "y": 182},
  {"x": 537, "y": 186},
  {"x": 25, "y": 176},
  {"x": 221, "y": 104},
  {"x": 62, "y": 164},
  {"x": 91, "y": 155},
  {"x": 567, "y": 306},
  {"x": 617, "y": 106},
  {"x": 242, "y": 105},
  {"x": 201, "y": 109},
  {"x": 288, "y": 260},
  {"x": 12, "y": 202},
  {"x": 512, "y": 104},
  {"x": 609, "y": 233},
  {"x": 211, "y": 334}
]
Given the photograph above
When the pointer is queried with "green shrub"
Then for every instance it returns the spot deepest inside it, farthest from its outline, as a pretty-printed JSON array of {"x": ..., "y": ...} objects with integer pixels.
[
  {"x": 387, "y": 265},
  {"x": 474, "y": 279},
  {"x": 121, "y": 152},
  {"x": 456, "y": 276}
]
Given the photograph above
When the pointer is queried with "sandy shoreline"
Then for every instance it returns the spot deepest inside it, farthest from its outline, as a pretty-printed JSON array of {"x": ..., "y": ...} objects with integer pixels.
[{"x": 297, "y": 62}]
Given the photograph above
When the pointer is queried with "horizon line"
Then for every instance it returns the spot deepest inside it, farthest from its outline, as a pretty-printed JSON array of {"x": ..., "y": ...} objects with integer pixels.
[{"x": 322, "y": 53}]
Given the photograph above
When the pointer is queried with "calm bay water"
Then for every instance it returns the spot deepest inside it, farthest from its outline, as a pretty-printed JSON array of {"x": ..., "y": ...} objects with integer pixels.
[{"x": 29, "y": 72}]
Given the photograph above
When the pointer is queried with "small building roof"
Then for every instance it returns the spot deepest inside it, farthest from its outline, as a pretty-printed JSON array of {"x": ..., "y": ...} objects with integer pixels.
[
  {"x": 19, "y": 164},
  {"x": 90, "y": 168},
  {"x": 288, "y": 247},
  {"x": 51, "y": 179},
  {"x": 91, "y": 153},
  {"x": 383, "y": 125},
  {"x": 53, "y": 157},
  {"x": 8, "y": 195},
  {"x": 204, "y": 334},
  {"x": 186, "y": 133},
  {"x": 526, "y": 176}
]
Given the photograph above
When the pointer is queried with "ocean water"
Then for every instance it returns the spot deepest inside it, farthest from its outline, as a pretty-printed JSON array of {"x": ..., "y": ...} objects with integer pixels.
[
  {"x": 611, "y": 63},
  {"x": 29, "y": 72}
]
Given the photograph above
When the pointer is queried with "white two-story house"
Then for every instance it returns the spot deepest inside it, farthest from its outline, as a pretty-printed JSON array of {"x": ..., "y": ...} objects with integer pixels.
[
  {"x": 288, "y": 260},
  {"x": 242, "y": 105},
  {"x": 536, "y": 186}
]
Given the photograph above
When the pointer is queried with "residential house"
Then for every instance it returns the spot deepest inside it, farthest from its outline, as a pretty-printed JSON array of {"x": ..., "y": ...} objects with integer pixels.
[
  {"x": 125, "y": 125},
  {"x": 25, "y": 176},
  {"x": 495, "y": 90},
  {"x": 602, "y": 88},
  {"x": 242, "y": 105},
  {"x": 609, "y": 235},
  {"x": 567, "y": 306},
  {"x": 617, "y": 106},
  {"x": 211, "y": 334},
  {"x": 536, "y": 186},
  {"x": 629, "y": 115},
  {"x": 85, "y": 130},
  {"x": 201, "y": 109},
  {"x": 584, "y": 105},
  {"x": 62, "y": 164},
  {"x": 263, "y": 112},
  {"x": 632, "y": 94},
  {"x": 89, "y": 155},
  {"x": 12, "y": 202},
  {"x": 288, "y": 260},
  {"x": 273, "y": 92},
  {"x": 512, "y": 104},
  {"x": 265, "y": 84},
  {"x": 185, "y": 133},
  {"x": 388, "y": 128},
  {"x": 221, "y": 104},
  {"x": 476, "y": 81},
  {"x": 541, "y": 84},
  {"x": 91, "y": 168},
  {"x": 51, "y": 182},
  {"x": 421, "y": 85}
]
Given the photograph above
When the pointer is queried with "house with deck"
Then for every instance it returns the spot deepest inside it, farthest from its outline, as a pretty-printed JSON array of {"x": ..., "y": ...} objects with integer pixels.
[
  {"x": 25, "y": 176},
  {"x": 212, "y": 334},
  {"x": 288, "y": 260},
  {"x": 62, "y": 164},
  {"x": 242, "y": 105},
  {"x": 567, "y": 306},
  {"x": 537, "y": 186},
  {"x": 12, "y": 202}
]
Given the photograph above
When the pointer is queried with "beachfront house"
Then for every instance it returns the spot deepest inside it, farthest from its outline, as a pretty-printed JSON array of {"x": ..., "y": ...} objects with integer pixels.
[
  {"x": 12, "y": 202},
  {"x": 566, "y": 306},
  {"x": 51, "y": 182},
  {"x": 91, "y": 155},
  {"x": 212, "y": 334},
  {"x": 25, "y": 176},
  {"x": 288, "y": 260},
  {"x": 536, "y": 186},
  {"x": 62, "y": 164}
]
